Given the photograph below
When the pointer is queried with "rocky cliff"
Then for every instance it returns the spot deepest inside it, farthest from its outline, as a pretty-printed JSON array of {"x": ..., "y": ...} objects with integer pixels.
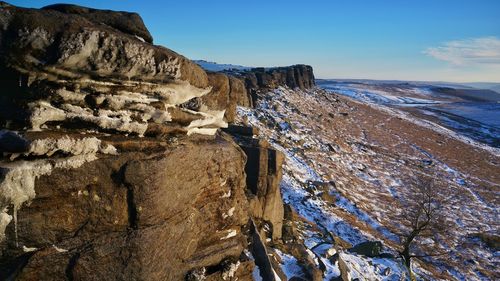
[
  {"x": 260, "y": 80},
  {"x": 113, "y": 167},
  {"x": 295, "y": 76}
]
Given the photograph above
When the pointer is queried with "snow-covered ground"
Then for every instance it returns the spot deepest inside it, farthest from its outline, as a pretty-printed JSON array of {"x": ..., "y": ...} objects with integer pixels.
[{"x": 328, "y": 151}]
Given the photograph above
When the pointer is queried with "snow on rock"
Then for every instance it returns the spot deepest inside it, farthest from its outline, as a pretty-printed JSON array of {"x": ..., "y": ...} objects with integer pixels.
[
  {"x": 65, "y": 144},
  {"x": 44, "y": 112},
  {"x": 18, "y": 185},
  {"x": 123, "y": 98},
  {"x": 229, "y": 213},
  {"x": 106, "y": 119},
  {"x": 59, "y": 250},
  {"x": 140, "y": 38},
  {"x": 29, "y": 249},
  {"x": 229, "y": 272},
  {"x": 208, "y": 125},
  {"x": 362, "y": 268},
  {"x": 290, "y": 265},
  {"x": 180, "y": 92},
  {"x": 5, "y": 219},
  {"x": 128, "y": 111},
  {"x": 230, "y": 233},
  {"x": 18, "y": 177}
]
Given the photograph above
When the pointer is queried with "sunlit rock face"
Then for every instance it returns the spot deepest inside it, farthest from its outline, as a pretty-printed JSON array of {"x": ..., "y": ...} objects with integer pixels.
[
  {"x": 112, "y": 166},
  {"x": 70, "y": 66},
  {"x": 152, "y": 212}
]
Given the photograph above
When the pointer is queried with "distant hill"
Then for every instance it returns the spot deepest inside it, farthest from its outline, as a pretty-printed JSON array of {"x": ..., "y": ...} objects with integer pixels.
[
  {"x": 474, "y": 95},
  {"x": 473, "y": 91},
  {"x": 484, "y": 85}
]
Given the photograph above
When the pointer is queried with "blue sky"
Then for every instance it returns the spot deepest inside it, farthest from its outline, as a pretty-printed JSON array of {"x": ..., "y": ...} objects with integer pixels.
[{"x": 446, "y": 40}]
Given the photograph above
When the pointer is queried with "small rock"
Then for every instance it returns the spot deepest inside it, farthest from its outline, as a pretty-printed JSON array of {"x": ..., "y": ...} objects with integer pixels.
[
  {"x": 368, "y": 248},
  {"x": 198, "y": 274}
]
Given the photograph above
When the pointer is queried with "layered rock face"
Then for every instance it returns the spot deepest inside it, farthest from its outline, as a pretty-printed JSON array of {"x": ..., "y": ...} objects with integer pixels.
[
  {"x": 263, "y": 169},
  {"x": 130, "y": 23},
  {"x": 68, "y": 68},
  {"x": 260, "y": 80},
  {"x": 112, "y": 164},
  {"x": 295, "y": 76}
]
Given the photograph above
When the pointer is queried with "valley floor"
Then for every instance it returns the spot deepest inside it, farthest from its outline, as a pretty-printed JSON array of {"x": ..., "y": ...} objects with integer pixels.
[{"x": 347, "y": 165}]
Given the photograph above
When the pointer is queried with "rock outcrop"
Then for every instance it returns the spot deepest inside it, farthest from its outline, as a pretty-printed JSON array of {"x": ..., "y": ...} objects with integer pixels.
[
  {"x": 295, "y": 76},
  {"x": 263, "y": 169},
  {"x": 62, "y": 69},
  {"x": 259, "y": 80},
  {"x": 112, "y": 164}
]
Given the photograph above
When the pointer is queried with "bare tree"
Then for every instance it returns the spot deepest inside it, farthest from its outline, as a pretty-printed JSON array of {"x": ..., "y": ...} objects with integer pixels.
[{"x": 424, "y": 219}]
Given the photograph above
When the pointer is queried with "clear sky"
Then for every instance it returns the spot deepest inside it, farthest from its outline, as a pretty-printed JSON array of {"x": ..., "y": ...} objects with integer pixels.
[{"x": 445, "y": 40}]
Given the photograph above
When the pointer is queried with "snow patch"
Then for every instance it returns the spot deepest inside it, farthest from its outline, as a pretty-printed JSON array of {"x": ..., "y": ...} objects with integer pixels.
[
  {"x": 29, "y": 249},
  {"x": 140, "y": 38},
  {"x": 231, "y": 271},
  {"x": 179, "y": 92},
  {"x": 208, "y": 125},
  {"x": 290, "y": 265},
  {"x": 231, "y": 233},
  {"x": 229, "y": 213},
  {"x": 226, "y": 195},
  {"x": 59, "y": 250},
  {"x": 18, "y": 181}
]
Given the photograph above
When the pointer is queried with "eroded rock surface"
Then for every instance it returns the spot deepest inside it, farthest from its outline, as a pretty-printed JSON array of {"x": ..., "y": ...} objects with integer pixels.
[
  {"x": 264, "y": 172},
  {"x": 149, "y": 214},
  {"x": 130, "y": 23},
  {"x": 112, "y": 164},
  {"x": 62, "y": 66}
]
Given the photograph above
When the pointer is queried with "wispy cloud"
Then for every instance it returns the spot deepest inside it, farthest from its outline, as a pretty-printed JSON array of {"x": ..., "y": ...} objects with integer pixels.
[{"x": 476, "y": 51}]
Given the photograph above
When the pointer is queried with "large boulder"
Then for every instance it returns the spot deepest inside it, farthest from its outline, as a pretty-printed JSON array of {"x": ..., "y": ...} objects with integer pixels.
[
  {"x": 152, "y": 213},
  {"x": 368, "y": 248},
  {"x": 111, "y": 164},
  {"x": 51, "y": 44}
]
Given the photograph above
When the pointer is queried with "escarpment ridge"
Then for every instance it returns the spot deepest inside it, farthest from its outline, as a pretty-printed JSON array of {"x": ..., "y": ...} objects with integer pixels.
[{"x": 113, "y": 166}]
